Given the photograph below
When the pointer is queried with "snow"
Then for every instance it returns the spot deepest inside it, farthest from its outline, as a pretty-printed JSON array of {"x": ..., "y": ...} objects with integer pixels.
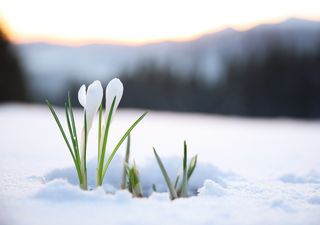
[
  {"x": 149, "y": 174},
  {"x": 250, "y": 171},
  {"x": 310, "y": 177},
  {"x": 211, "y": 188}
]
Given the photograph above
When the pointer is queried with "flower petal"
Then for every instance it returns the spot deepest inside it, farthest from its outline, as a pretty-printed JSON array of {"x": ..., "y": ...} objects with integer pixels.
[
  {"x": 114, "y": 89},
  {"x": 82, "y": 95},
  {"x": 93, "y": 101}
]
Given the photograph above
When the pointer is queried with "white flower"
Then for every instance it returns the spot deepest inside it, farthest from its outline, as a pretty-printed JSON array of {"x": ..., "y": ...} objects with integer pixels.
[
  {"x": 90, "y": 100},
  {"x": 114, "y": 89}
]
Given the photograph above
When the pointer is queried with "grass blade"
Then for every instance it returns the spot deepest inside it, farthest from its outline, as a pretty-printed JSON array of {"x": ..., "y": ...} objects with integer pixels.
[
  {"x": 60, "y": 127},
  {"x": 126, "y": 162},
  {"x": 104, "y": 145},
  {"x": 85, "y": 137},
  {"x": 71, "y": 132},
  {"x": 176, "y": 182},
  {"x": 184, "y": 187},
  {"x": 192, "y": 165},
  {"x": 84, "y": 184},
  {"x": 134, "y": 181},
  {"x": 74, "y": 129},
  {"x": 74, "y": 143},
  {"x": 65, "y": 139},
  {"x": 154, "y": 187},
  {"x": 173, "y": 193},
  {"x": 120, "y": 142},
  {"x": 99, "y": 130}
]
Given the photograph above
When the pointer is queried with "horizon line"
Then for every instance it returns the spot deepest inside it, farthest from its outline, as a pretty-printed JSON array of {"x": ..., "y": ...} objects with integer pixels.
[{"x": 85, "y": 42}]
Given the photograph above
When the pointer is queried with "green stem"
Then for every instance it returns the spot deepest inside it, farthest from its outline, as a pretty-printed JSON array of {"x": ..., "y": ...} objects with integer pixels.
[
  {"x": 173, "y": 193},
  {"x": 84, "y": 185},
  {"x": 120, "y": 142},
  {"x": 76, "y": 163},
  {"x": 184, "y": 185},
  {"x": 99, "y": 130},
  {"x": 126, "y": 162},
  {"x": 103, "y": 149}
]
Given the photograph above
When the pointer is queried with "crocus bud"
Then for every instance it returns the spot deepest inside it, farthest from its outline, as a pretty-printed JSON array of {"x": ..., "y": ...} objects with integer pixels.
[
  {"x": 90, "y": 100},
  {"x": 114, "y": 89}
]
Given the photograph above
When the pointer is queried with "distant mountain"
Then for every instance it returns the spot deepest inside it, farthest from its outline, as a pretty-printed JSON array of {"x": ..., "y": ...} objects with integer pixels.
[{"x": 51, "y": 67}]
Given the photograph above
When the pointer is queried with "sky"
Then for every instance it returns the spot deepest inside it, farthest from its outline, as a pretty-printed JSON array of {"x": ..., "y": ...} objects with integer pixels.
[{"x": 140, "y": 21}]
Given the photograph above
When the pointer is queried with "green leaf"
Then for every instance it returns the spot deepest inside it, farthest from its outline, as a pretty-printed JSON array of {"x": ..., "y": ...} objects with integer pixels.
[
  {"x": 70, "y": 131},
  {"x": 103, "y": 149},
  {"x": 120, "y": 142},
  {"x": 192, "y": 165},
  {"x": 154, "y": 187},
  {"x": 77, "y": 154},
  {"x": 65, "y": 139},
  {"x": 60, "y": 127},
  {"x": 84, "y": 184},
  {"x": 85, "y": 141},
  {"x": 184, "y": 185},
  {"x": 126, "y": 161},
  {"x": 99, "y": 130},
  {"x": 74, "y": 143},
  {"x": 176, "y": 182},
  {"x": 173, "y": 193},
  {"x": 134, "y": 181}
]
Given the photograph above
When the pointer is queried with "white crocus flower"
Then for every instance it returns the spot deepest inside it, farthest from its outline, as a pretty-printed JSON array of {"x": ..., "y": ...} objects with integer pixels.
[
  {"x": 90, "y": 100},
  {"x": 114, "y": 89}
]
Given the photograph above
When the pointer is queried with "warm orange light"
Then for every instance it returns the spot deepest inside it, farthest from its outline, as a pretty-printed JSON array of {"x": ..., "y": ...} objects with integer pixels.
[{"x": 140, "y": 21}]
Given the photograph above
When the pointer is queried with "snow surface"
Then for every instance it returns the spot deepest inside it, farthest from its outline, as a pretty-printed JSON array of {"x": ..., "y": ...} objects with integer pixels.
[{"x": 250, "y": 171}]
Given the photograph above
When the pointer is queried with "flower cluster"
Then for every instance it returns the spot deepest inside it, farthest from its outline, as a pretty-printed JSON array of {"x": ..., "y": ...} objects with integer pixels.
[{"x": 91, "y": 100}]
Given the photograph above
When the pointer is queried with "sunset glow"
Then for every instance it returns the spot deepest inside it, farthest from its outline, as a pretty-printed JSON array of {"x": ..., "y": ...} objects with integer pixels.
[{"x": 140, "y": 21}]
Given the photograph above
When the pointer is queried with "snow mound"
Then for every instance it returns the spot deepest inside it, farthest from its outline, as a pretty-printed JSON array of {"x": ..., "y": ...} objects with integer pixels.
[
  {"x": 240, "y": 202},
  {"x": 280, "y": 204},
  {"x": 149, "y": 174},
  {"x": 314, "y": 200},
  {"x": 311, "y": 177},
  {"x": 62, "y": 191},
  {"x": 211, "y": 188}
]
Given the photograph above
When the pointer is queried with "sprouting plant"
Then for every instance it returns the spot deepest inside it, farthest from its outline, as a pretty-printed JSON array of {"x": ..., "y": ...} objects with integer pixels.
[
  {"x": 114, "y": 93},
  {"x": 134, "y": 185},
  {"x": 130, "y": 176},
  {"x": 176, "y": 190},
  {"x": 125, "y": 163},
  {"x": 90, "y": 100}
]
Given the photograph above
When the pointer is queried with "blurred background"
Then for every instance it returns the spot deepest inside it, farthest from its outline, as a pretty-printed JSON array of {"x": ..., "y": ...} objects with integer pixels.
[{"x": 247, "y": 58}]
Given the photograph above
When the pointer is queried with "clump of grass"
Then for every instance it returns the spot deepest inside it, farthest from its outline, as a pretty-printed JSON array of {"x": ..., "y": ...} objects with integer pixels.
[
  {"x": 74, "y": 146},
  {"x": 91, "y": 100},
  {"x": 114, "y": 93},
  {"x": 103, "y": 138},
  {"x": 134, "y": 185},
  {"x": 176, "y": 189},
  {"x": 130, "y": 175},
  {"x": 125, "y": 163}
]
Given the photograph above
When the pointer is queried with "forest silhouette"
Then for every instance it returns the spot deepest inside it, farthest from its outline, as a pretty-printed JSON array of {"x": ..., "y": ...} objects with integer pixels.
[{"x": 282, "y": 82}]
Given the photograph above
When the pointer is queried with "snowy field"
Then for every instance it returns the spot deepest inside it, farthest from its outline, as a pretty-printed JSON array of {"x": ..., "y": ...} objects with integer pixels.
[{"x": 250, "y": 171}]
